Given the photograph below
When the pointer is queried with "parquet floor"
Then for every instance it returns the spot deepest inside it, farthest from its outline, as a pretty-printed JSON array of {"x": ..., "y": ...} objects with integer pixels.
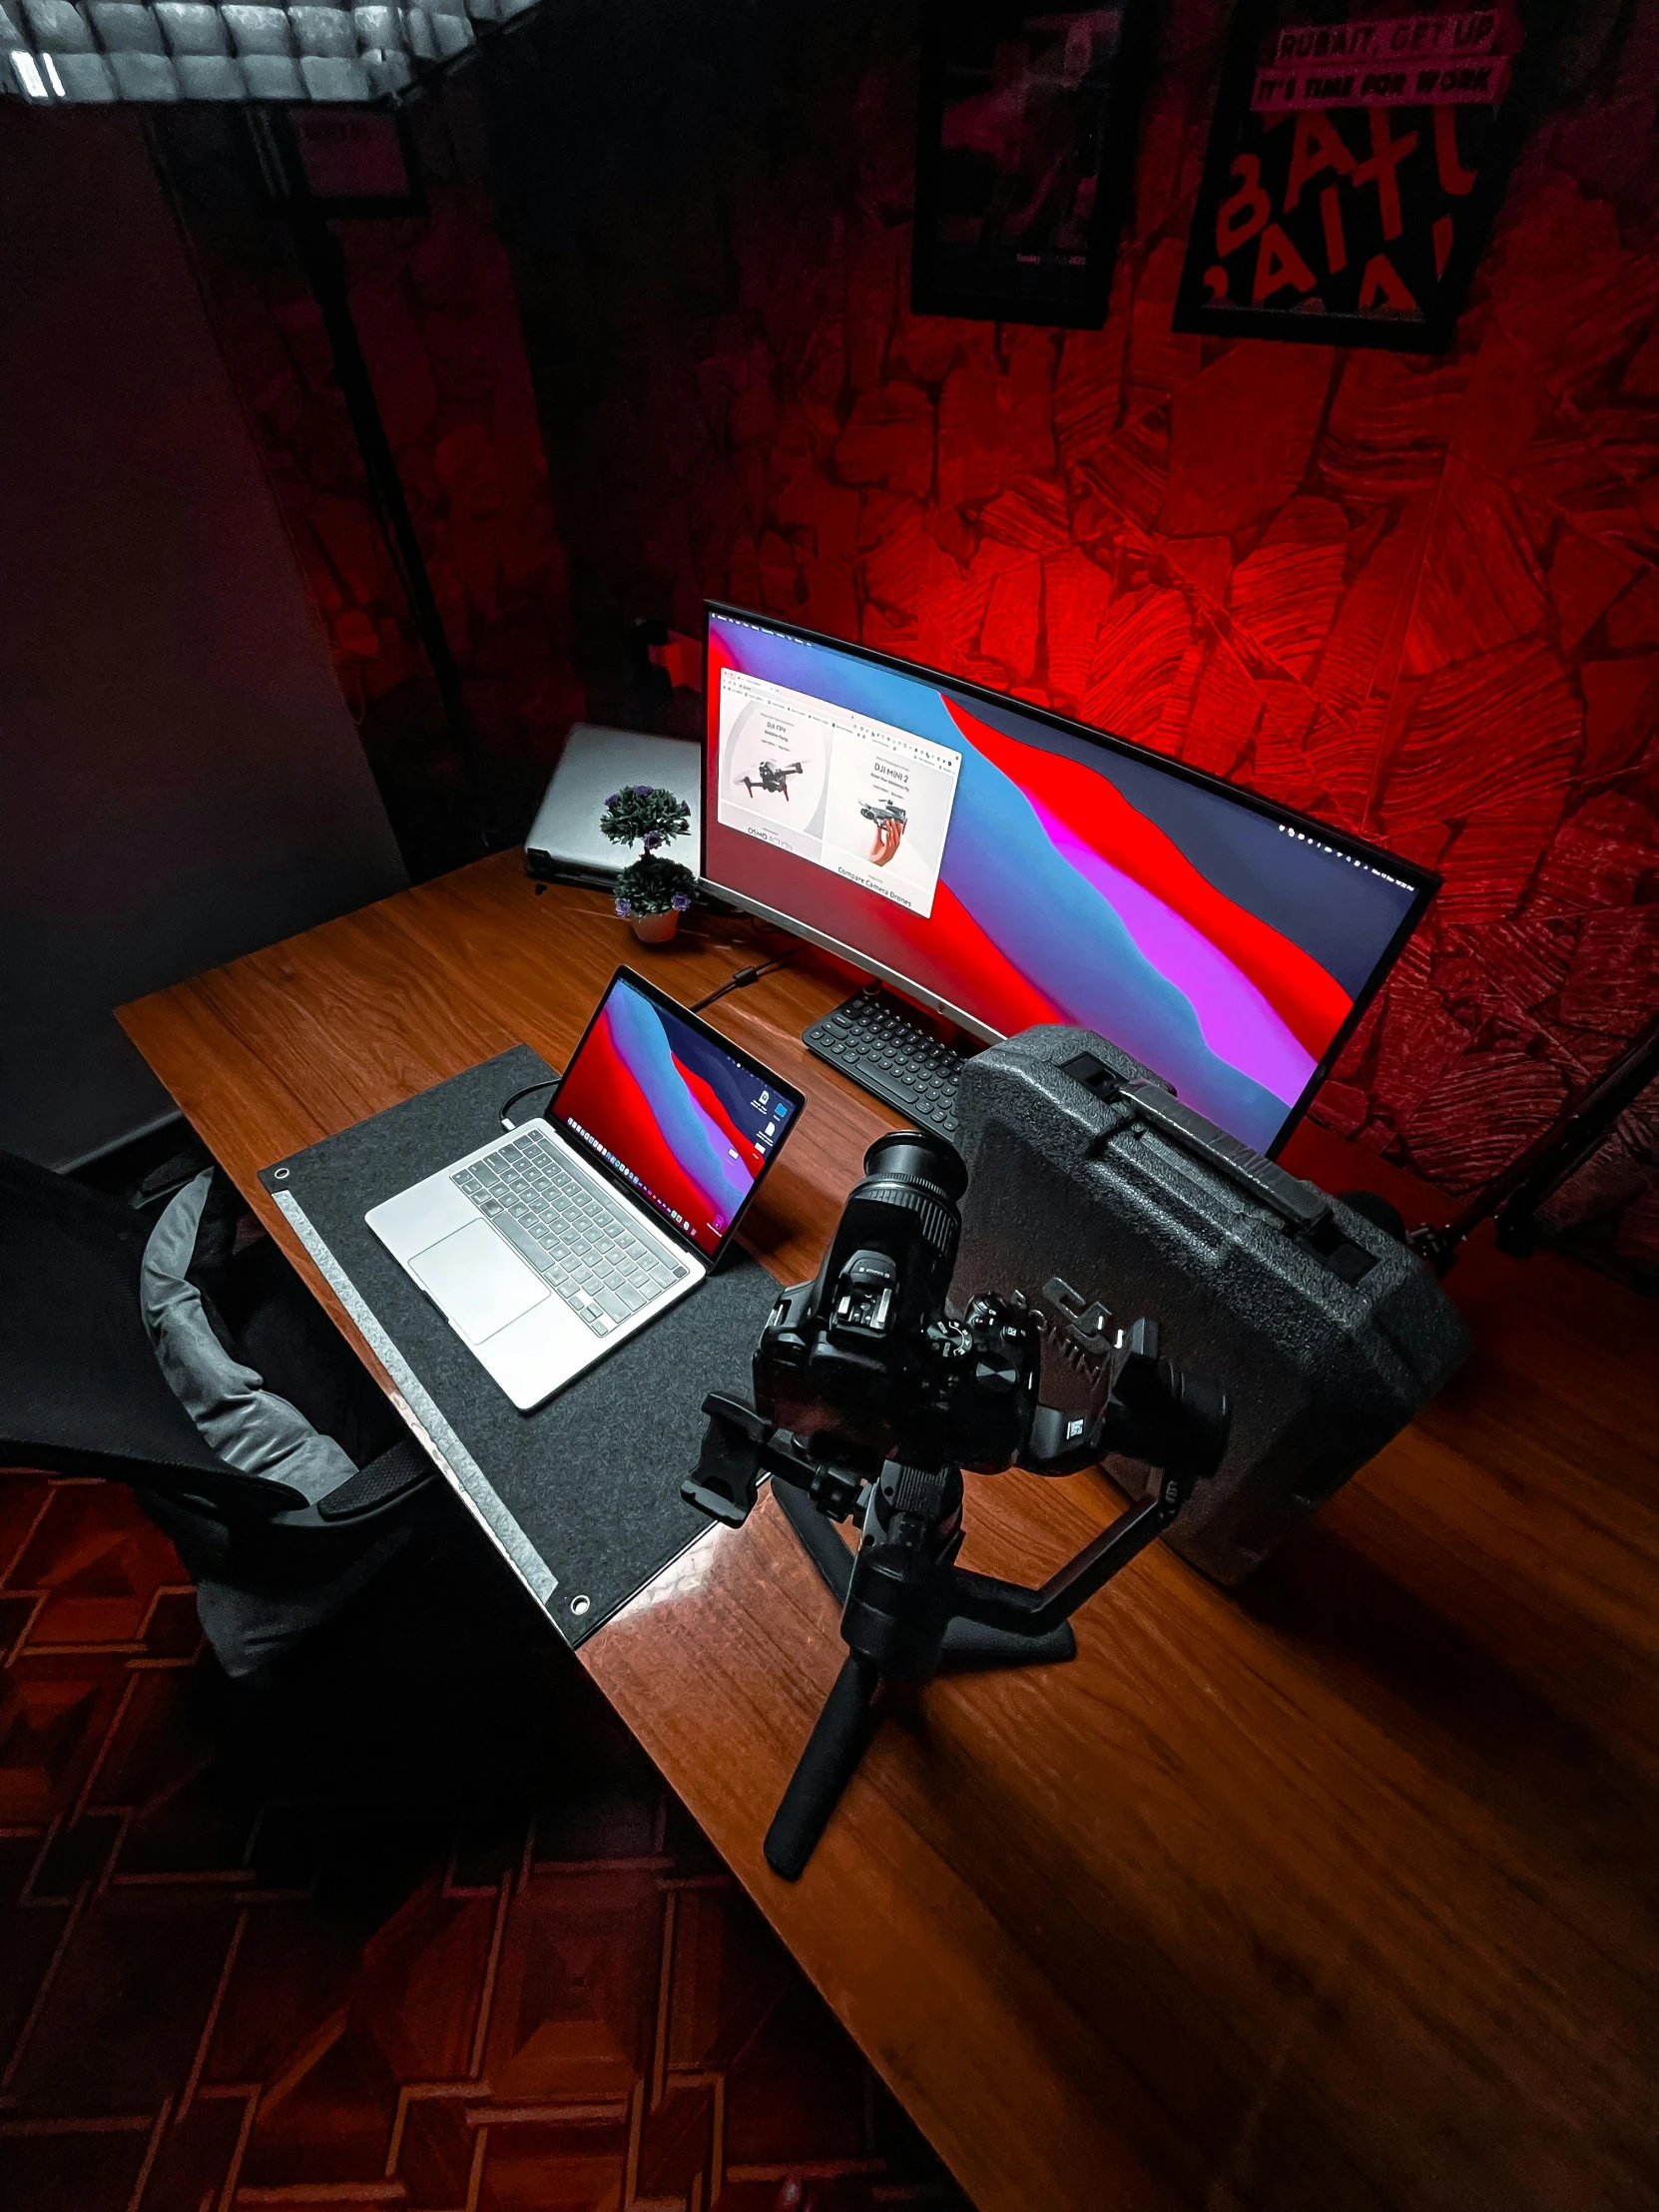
[{"x": 421, "y": 1928}]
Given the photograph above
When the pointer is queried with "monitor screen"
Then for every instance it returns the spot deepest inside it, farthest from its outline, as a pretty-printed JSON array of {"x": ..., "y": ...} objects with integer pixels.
[
  {"x": 673, "y": 1110},
  {"x": 1011, "y": 867}
]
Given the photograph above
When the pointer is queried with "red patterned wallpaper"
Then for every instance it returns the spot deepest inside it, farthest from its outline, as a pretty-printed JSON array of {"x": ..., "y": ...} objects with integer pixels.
[{"x": 1419, "y": 597}]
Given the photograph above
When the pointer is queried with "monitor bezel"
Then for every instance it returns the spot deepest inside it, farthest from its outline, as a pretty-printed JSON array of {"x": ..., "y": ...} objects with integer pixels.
[{"x": 1424, "y": 882}]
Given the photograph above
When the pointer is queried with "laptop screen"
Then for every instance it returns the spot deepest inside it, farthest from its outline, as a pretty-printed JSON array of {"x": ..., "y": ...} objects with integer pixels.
[{"x": 675, "y": 1112}]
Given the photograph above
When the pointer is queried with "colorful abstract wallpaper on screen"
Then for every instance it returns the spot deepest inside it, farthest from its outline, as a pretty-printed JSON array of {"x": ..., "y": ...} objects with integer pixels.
[
  {"x": 1073, "y": 885},
  {"x": 672, "y": 1108}
]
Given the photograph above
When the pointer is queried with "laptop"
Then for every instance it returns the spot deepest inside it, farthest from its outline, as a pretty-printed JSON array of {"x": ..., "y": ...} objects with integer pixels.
[
  {"x": 549, "y": 1246},
  {"x": 564, "y": 844}
]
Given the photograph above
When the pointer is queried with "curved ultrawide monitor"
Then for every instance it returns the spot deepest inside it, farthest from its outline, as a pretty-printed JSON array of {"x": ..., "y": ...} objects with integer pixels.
[{"x": 1007, "y": 867}]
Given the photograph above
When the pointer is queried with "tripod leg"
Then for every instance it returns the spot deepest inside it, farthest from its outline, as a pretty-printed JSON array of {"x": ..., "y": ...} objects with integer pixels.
[
  {"x": 970, "y": 1646},
  {"x": 833, "y": 1752},
  {"x": 818, "y": 1539}
]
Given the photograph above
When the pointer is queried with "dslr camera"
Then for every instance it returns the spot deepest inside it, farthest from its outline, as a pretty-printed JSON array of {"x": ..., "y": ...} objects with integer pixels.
[{"x": 871, "y": 1398}]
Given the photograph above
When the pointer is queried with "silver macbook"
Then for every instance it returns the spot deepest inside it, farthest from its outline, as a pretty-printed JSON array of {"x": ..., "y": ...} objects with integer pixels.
[
  {"x": 564, "y": 843},
  {"x": 546, "y": 1247}
]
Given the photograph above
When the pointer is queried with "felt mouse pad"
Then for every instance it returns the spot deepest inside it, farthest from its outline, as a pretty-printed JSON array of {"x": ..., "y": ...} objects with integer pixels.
[{"x": 583, "y": 1494}]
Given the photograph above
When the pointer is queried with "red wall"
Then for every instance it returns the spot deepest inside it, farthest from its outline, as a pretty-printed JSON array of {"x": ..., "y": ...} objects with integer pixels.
[{"x": 1417, "y": 598}]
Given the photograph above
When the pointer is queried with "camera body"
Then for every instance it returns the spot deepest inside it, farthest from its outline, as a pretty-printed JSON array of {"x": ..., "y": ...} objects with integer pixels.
[
  {"x": 963, "y": 1391},
  {"x": 869, "y": 1375},
  {"x": 866, "y": 1354}
]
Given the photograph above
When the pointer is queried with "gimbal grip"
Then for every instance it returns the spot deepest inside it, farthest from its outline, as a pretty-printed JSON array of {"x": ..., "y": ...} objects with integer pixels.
[
  {"x": 827, "y": 1766},
  {"x": 724, "y": 1485}
]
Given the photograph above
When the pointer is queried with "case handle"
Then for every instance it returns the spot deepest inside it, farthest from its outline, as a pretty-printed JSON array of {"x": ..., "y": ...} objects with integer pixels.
[{"x": 1300, "y": 1204}]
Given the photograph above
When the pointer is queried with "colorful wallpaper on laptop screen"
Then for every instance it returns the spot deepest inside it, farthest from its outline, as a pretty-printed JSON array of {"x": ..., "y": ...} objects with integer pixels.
[
  {"x": 1080, "y": 886},
  {"x": 672, "y": 1110}
]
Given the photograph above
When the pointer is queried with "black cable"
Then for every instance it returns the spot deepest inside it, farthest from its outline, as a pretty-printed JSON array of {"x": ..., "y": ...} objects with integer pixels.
[
  {"x": 740, "y": 980},
  {"x": 547, "y": 1083}
]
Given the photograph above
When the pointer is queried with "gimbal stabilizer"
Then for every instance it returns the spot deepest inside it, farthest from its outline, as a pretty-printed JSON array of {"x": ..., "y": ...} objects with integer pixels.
[{"x": 906, "y": 1606}]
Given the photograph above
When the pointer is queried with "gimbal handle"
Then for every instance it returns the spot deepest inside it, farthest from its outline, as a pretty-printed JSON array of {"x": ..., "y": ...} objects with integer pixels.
[
  {"x": 1021, "y": 1612},
  {"x": 1021, "y": 1622},
  {"x": 739, "y": 1443}
]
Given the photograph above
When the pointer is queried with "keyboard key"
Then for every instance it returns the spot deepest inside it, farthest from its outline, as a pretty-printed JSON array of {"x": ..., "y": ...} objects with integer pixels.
[
  {"x": 571, "y": 1233},
  {"x": 521, "y": 1240},
  {"x": 876, "y": 1043}
]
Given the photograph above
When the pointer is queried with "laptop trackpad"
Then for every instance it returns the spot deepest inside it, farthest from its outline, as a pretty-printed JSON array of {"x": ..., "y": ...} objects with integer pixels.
[{"x": 478, "y": 1281}]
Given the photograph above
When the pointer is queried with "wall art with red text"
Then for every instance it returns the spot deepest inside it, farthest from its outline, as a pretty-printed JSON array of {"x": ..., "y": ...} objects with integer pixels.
[{"x": 1355, "y": 160}]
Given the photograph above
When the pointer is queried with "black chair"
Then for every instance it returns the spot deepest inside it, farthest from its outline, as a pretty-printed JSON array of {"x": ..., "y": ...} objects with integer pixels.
[{"x": 82, "y": 1393}]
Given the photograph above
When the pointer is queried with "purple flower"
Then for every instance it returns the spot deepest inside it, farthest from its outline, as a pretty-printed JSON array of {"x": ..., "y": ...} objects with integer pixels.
[
  {"x": 679, "y": 902},
  {"x": 624, "y": 909},
  {"x": 615, "y": 800},
  {"x": 641, "y": 790}
]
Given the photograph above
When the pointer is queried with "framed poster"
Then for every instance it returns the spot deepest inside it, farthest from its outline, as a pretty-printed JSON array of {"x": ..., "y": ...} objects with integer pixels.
[
  {"x": 336, "y": 160},
  {"x": 1355, "y": 160},
  {"x": 1024, "y": 158},
  {"x": 356, "y": 161}
]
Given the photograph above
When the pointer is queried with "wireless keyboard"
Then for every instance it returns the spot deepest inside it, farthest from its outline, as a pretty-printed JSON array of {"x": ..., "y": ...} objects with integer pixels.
[{"x": 879, "y": 1043}]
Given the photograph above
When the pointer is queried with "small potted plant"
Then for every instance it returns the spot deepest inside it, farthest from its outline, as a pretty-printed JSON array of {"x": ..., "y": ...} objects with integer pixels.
[{"x": 653, "y": 891}]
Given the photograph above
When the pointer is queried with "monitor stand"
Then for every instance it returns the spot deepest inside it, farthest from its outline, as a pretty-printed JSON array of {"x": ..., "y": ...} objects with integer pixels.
[{"x": 895, "y": 1052}]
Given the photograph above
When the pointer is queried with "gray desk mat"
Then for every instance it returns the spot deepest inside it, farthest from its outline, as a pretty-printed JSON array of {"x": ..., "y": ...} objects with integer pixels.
[{"x": 582, "y": 1495}]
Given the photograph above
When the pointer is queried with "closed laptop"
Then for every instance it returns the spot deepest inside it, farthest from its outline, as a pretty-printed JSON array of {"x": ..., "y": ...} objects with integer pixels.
[{"x": 564, "y": 844}]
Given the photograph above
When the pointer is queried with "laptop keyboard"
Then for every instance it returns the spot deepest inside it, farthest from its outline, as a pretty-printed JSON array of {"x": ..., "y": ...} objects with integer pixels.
[{"x": 579, "y": 1243}]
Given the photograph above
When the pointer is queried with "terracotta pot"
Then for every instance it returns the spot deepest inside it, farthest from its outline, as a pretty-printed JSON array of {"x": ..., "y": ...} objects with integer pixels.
[{"x": 654, "y": 928}]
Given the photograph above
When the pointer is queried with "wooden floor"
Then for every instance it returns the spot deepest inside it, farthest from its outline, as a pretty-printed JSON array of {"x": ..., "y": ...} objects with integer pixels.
[{"x": 1340, "y": 1891}]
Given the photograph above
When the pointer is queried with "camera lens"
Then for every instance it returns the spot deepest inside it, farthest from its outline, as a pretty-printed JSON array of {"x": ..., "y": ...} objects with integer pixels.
[{"x": 912, "y": 1156}]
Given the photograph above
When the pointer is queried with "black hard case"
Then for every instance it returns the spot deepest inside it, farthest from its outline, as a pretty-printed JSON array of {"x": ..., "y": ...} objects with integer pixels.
[{"x": 1327, "y": 1332}]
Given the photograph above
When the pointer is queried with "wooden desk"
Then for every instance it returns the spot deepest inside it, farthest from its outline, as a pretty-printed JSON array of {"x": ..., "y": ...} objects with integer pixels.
[{"x": 1336, "y": 1893}]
